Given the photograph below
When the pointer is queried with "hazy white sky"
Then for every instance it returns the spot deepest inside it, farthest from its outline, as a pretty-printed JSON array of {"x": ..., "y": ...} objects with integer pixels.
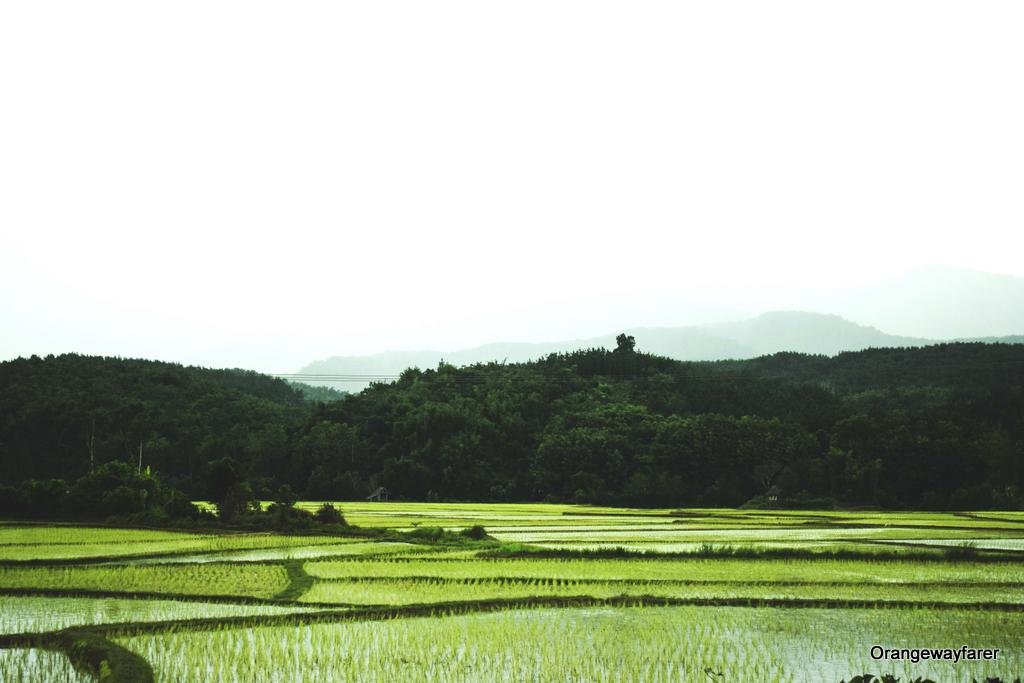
[{"x": 264, "y": 183}]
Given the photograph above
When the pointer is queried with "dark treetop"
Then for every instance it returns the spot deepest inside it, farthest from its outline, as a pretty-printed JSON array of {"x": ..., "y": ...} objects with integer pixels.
[{"x": 930, "y": 428}]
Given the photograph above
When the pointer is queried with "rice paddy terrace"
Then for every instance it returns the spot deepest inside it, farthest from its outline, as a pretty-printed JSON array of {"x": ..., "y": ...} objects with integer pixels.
[{"x": 561, "y": 593}]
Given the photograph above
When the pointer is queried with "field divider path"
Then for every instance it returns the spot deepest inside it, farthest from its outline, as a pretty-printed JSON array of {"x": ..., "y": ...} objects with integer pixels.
[
  {"x": 987, "y": 518},
  {"x": 298, "y": 581},
  {"x": 91, "y": 651}
]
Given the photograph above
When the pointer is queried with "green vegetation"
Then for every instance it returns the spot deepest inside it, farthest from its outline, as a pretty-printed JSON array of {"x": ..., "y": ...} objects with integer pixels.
[
  {"x": 931, "y": 428},
  {"x": 66, "y": 415},
  {"x": 31, "y": 534},
  {"x": 596, "y": 644},
  {"x": 293, "y": 552},
  {"x": 34, "y": 664},
  {"x": 113, "y": 491},
  {"x": 111, "y": 662},
  {"x": 117, "y": 494},
  {"x": 318, "y": 394},
  {"x": 36, "y": 613},
  {"x": 367, "y": 591},
  {"x": 765, "y": 571},
  {"x": 243, "y": 579},
  {"x": 22, "y": 543},
  {"x": 771, "y": 597}
]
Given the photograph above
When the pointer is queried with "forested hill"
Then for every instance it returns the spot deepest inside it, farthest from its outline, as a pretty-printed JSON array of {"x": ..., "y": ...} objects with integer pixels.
[
  {"x": 58, "y": 412},
  {"x": 944, "y": 365},
  {"x": 933, "y": 427}
]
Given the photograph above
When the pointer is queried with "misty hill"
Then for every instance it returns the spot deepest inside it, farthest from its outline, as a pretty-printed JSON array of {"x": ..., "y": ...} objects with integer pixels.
[
  {"x": 925, "y": 306},
  {"x": 769, "y": 333},
  {"x": 939, "y": 302},
  {"x": 812, "y": 333}
]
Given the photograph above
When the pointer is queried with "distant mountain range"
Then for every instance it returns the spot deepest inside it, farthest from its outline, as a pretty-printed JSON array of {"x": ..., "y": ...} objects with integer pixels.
[
  {"x": 937, "y": 302},
  {"x": 925, "y": 306},
  {"x": 800, "y": 331}
]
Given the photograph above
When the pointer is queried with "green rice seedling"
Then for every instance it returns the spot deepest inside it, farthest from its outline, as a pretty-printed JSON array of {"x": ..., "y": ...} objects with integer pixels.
[
  {"x": 36, "y": 614},
  {"x": 256, "y": 580},
  {"x": 61, "y": 534},
  {"x": 974, "y": 544},
  {"x": 767, "y": 558},
  {"x": 418, "y": 591},
  {"x": 656, "y": 644},
  {"x": 289, "y": 553},
  {"x": 762, "y": 570},
  {"x": 493, "y": 515},
  {"x": 739, "y": 535},
  {"x": 32, "y": 664},
  {"x": 45, "y": 548},
  {"x": 793, "y": 549}
]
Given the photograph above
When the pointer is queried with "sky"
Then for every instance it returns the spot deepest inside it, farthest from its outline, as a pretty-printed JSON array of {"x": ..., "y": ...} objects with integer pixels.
[{"x": 260, "y": 184}]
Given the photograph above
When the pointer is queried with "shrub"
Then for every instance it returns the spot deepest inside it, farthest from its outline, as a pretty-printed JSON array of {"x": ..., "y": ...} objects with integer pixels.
[
  {"x": 178, "y": 506},
  {"x": 328, "y": 514},
  {"x": 115, "y": 488},
  {"x": 121, "y": 500},
  {"x": 286, "y": 496}
]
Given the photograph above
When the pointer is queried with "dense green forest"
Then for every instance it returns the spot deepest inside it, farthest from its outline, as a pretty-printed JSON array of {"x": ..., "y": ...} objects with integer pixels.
[
  {"x": 928, "y": 428},
  {"x": 318, "y": 393}
]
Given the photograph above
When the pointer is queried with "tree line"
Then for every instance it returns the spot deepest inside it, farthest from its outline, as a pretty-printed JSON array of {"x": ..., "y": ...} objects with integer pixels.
[{"x": 939, "y": 427}]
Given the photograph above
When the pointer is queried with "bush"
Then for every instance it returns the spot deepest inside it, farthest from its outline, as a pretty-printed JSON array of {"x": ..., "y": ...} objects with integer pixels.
[
  {"x": 286, "y": 496},
  {"x": 115, "y": 491},
  {"x": 476, "y": 532},
  {"x": 280, "y": 517},
  {"x": 328, "y": 514},
  {"x": 429, "y": 534},
  {"x": 178, "y": 506},
  {"x": 115, "y": 488}
]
